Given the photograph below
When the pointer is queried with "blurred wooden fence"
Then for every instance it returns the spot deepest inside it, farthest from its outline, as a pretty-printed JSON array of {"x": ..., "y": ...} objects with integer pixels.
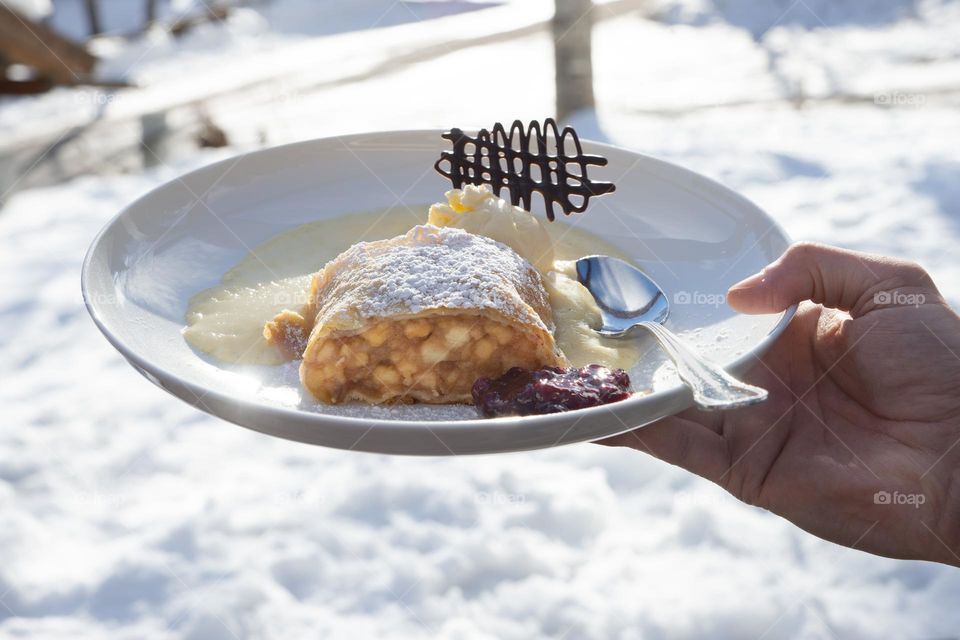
[{"x": 45, "y": 58}]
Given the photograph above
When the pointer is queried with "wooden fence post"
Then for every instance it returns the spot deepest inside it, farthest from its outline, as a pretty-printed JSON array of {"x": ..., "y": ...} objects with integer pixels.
[{"x": 572, "y": 26}]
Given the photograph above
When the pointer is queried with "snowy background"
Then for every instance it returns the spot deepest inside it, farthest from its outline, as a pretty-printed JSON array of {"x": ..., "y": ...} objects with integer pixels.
[{"x": 125, "y": 513}]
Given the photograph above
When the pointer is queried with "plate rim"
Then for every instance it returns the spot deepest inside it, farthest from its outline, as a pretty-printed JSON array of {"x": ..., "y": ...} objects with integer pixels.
[{"x": 174, "y": 383}]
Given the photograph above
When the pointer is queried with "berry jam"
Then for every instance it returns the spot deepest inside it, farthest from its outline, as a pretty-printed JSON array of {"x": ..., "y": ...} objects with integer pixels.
[{"x": 520, "y": 392}]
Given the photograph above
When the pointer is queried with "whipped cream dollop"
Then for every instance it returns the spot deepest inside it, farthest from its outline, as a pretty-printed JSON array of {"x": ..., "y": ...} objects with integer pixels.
[{"x": 477, "y": 210}]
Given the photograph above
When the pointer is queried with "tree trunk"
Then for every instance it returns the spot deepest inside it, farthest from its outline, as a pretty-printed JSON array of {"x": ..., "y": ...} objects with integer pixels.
[
  {"x": 93, "y": 18},
  {"x": 572, "y": 26}
]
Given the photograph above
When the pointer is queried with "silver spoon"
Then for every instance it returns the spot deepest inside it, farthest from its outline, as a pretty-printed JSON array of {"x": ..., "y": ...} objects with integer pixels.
[{"x": 628, "y": 298}]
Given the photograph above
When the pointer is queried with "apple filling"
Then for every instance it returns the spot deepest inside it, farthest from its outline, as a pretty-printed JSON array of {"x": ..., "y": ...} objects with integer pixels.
[{"x": 430, "y": 358}]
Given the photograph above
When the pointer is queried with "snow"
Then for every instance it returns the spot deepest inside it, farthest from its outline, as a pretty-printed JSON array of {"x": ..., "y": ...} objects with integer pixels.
[
  {"x": 125, "y": 513},
  {"x": 250, "y": 53}
]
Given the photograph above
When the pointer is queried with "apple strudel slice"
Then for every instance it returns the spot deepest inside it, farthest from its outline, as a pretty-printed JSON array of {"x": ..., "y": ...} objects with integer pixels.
[{"x": 421, "y": 316}]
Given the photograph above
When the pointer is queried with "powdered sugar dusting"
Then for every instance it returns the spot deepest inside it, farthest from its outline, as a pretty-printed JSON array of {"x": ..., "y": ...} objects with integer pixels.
[{"x": 430, "y": 268}]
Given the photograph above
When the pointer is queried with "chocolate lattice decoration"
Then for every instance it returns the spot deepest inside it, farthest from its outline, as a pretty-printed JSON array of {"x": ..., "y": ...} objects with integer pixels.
[{"x": 525, "y": 161}]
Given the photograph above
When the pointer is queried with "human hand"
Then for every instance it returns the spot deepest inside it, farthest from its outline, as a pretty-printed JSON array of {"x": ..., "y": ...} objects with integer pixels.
[{"x": 859, "y": 441}]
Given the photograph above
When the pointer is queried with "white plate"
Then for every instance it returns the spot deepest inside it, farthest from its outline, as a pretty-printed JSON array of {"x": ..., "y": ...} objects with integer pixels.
[{"x": 692, "y": 235}]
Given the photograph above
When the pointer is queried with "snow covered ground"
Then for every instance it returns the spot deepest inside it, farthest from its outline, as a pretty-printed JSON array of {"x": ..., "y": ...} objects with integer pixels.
[{"x": 125, "y": 513}]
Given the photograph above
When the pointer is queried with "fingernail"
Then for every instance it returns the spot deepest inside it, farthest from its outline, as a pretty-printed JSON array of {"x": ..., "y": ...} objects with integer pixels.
[{"x": 749, "y": 283}]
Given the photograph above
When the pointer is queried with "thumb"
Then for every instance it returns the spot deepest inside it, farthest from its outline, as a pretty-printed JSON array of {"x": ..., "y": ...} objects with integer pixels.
[{"x": 837, "y": 278}]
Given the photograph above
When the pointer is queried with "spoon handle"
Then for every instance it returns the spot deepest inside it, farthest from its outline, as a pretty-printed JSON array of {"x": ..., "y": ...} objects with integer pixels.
[{"x": 713, "y": 388}]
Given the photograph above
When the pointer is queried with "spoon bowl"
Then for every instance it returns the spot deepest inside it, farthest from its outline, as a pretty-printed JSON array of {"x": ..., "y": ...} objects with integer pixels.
[
  {"x": 628, "y": 298},
  {"x": 624, "y": 294}
]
